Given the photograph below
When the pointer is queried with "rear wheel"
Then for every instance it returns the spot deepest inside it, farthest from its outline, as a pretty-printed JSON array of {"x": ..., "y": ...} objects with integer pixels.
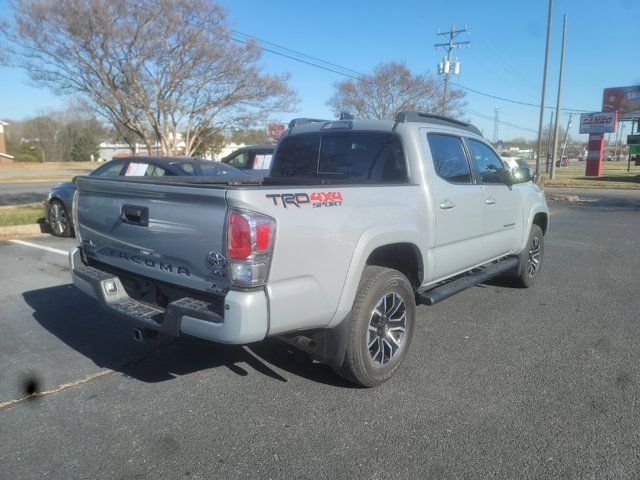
[
  {"x": 380, "y": 327},
  {"x": 59, "y": 220}
]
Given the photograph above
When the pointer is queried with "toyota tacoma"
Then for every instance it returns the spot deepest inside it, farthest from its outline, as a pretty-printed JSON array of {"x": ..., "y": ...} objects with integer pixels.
[{"x": 357, "y": 222}]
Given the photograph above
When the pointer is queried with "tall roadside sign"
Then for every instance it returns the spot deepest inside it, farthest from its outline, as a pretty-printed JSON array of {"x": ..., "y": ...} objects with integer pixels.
[
  {"x": 634, "y": 149},
  {"x": 596, "y": 124},
  {"x": 625, "y": 101}
]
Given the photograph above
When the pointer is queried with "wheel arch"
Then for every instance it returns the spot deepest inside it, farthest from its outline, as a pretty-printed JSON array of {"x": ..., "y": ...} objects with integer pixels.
[
  {"x": 542, "y": 220},
  {"x": 392, "y": 246}
]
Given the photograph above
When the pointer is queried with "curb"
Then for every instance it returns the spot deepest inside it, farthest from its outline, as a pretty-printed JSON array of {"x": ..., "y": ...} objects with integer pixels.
[
  {"x": 17, "y": 231},
  {"x": 594, "y": 187}
]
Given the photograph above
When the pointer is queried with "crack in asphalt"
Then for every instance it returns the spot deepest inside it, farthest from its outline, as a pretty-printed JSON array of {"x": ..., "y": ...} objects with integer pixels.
[{"x": 84, "y": 380}]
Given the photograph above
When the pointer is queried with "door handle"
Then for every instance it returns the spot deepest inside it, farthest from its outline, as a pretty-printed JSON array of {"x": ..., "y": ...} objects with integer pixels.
[
  {"x": 135, "y": 215},
  {"x": 447, "y": 204},
  {"x": 490, "y": 201}
]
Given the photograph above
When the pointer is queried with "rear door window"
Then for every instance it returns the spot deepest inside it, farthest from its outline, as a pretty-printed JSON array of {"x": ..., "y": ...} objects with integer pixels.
[
  {"x": 155, "y": 171},
  {"x": 449, "y": 158},
  {"x": 262, "y": 161},
  {"x": 352, "y": 156},
  {"x": 136, "y": 169}
]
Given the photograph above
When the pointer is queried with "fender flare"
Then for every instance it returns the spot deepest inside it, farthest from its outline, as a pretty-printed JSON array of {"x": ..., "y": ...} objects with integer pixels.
[
  {"x": 370, "y": 240},
  {"x": 537, "y": 208}
]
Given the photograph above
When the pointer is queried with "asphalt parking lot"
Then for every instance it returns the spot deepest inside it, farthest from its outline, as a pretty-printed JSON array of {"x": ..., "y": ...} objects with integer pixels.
[{"x": 499, "y": 383}]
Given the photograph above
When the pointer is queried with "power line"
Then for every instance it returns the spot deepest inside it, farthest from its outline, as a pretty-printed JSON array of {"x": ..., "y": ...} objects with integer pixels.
[
  {"x": 501, "y": 122},
  {"x": 335, "y": 68},
  {"x": 300, "y": 60},
  {"x": 508, "y": 68},
  {"x": 527, "y": 104},
  {"x": 299, "y": 54}
]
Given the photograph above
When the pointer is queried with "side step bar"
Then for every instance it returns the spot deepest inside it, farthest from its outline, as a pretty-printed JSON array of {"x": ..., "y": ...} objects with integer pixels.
[{"x": 482, "y": 274}]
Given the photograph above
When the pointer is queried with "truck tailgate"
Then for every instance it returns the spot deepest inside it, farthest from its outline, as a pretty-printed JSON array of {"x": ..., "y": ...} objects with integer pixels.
[{"x": 171, "y": 234}]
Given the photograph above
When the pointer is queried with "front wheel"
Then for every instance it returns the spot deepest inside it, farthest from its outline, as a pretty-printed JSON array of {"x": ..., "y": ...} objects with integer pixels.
[
  {"x": 531, "y": 259},
  {"x": 380, "y": 327}
]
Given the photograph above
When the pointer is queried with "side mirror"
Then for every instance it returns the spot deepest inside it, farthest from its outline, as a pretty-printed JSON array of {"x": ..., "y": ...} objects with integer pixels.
[
  {"x": 506, "y": 176},
  {"x": 521, "y": 175}
]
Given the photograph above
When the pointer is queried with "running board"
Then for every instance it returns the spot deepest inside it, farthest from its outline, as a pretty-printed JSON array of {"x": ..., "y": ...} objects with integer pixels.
[{"x": 483, "y": 274}]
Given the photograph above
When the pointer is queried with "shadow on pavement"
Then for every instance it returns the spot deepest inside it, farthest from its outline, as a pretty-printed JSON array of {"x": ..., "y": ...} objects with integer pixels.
[
  {"x": 613, "y": 204},
  {"x": 79, "y": 322}
]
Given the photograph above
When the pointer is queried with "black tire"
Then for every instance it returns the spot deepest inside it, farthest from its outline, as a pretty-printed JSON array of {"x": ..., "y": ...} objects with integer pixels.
[
  {"x": 376, "y": 285},
  {"x": 59, "y": 220},
  {"x": 528, "y": 270}
]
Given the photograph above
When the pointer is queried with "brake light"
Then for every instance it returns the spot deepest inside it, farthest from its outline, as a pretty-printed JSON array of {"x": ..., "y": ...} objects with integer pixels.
[
  {"x": 250, "y": 239},
  {"x": 263, "y": 236},
  {"x": 239, "y": 234}
]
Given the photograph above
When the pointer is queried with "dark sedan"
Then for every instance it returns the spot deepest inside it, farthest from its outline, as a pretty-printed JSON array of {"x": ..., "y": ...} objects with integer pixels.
[
  {"x": 251, "y": 157},
  {"x": 58, "y": 203}
]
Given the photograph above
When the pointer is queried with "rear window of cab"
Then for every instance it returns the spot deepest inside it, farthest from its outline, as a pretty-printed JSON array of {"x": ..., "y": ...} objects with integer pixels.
[{"x": 348, "y": 156}]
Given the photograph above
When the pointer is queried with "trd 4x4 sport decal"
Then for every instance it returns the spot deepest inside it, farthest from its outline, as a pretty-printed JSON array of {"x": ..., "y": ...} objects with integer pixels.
[{"x": 314, "y": 199}]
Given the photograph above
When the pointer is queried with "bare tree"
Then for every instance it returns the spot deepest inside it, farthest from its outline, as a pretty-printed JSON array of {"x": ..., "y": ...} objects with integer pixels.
[
  {"x": 53, "y": 134},
  {"x": 150, "y": 67},
  {"x": 391, "y": 89}
]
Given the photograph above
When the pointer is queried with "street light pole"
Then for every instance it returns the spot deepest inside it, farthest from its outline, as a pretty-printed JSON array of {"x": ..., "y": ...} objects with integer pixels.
[
  {"x": 559, "y": 100},
  {"x": 544, "y": 86}
]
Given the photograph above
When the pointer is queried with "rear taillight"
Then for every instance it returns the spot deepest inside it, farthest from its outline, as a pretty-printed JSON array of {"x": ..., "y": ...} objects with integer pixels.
[
  {"x": 250, "y": 238},
  {"x": 239, "y": 237}
]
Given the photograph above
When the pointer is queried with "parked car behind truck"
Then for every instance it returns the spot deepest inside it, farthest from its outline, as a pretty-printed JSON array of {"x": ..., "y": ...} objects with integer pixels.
[
  {"x": 358, "y": 222},
  {"x": 59, "y": 201},
  {"x": 250, "y": 157}
]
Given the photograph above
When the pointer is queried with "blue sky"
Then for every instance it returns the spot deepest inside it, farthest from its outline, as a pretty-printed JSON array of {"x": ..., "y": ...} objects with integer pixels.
[{"x": 505, "y": 58}]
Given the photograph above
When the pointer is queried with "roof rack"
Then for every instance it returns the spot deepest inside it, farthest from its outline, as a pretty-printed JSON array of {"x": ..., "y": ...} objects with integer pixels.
[
  {"x": 302, "y": 121},
  {"x": 413, "y": 116}
]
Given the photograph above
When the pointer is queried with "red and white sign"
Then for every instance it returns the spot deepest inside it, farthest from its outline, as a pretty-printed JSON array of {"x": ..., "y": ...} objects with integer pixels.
[
  {"x": 624, "y": 100},
  {"x": 598, "y": 122},
  {"x": 595, "y": 153},
  {"x": 274, "y": 130}
]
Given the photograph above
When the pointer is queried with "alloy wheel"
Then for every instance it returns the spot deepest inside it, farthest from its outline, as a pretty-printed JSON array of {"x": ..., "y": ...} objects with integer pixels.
[{"x": 387, "y": 328}]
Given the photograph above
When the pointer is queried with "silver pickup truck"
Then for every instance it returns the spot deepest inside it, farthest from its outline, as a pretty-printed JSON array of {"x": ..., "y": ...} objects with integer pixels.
[{"x": 357, "y": 223}]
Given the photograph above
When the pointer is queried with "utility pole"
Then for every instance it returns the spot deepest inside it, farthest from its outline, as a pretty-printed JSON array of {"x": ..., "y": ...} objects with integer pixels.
[
  {"x": 544, "y": 86},
  {"x": 444, "y": 67},
  {"x": 555, "y": 135},
  {"x": 566, "y": 136},
  {"x": 496, "y": 121},
  {"x": 549, "y": 137}
]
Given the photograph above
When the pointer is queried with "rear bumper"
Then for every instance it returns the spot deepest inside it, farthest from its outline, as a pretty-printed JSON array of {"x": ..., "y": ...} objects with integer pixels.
[{"x": 244, "y": 318}]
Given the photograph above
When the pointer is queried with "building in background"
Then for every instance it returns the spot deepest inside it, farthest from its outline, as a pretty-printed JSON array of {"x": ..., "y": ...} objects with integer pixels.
[{"x": 4, "y": 156}]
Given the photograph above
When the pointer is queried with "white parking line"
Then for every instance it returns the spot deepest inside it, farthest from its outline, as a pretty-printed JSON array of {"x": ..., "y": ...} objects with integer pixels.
[{"x": 41, "y": 247}]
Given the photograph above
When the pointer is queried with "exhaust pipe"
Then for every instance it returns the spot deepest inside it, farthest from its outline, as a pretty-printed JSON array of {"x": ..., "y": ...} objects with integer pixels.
[
  {"x": 142, "y": 335},
  {"x": 305, "y": 344}
]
